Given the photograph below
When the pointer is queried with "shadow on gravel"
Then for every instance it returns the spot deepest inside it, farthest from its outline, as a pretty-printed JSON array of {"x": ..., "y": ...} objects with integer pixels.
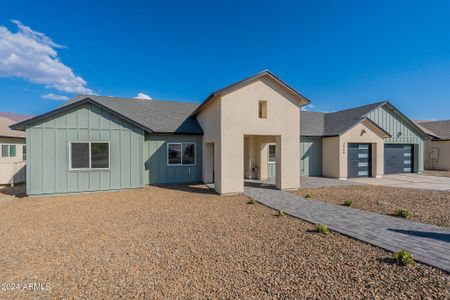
[
  {"x": 199, "y": 189},
  {"x": 259, "y": 185},
  {"x": 387, "y": 260},
  {"x": 425, "y": 234},
  {"x": 17, "y": 191}
]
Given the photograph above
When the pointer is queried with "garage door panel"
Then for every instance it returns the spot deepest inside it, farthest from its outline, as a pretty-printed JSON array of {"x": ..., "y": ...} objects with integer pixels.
[
  {"x": 398, "y": 158},
  {"x": 359, "y": 160}
]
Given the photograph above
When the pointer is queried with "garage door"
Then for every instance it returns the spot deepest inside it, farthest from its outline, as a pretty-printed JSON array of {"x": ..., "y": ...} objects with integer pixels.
[
  {"x": 398, "y": 158},
  {"x": 359, "y": 160}
]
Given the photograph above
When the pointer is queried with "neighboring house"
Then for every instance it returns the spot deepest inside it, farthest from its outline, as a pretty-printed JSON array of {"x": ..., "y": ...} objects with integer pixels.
[
  {"x": 366, "y": 141},
  {"x": 12, "y": 150},
  {"x": 437, "y": 149},
  {"x": 249, "y": 129}
]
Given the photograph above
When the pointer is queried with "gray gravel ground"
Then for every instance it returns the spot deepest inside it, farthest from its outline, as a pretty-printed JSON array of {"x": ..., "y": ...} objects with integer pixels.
[
  {"x": 426, "y": 206},
  {"x": 172, "y": 243}
]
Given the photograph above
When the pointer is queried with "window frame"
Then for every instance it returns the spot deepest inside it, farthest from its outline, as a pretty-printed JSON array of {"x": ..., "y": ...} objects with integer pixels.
[
  {"x": 181, "y": 146},
  {"x": 268, "y": 153},
  {"x": 24, "y": 152},
  {"x": 90, "y": 155},
  {"x": 262, "y": 109},
  {"x": 8, "y": 151}
]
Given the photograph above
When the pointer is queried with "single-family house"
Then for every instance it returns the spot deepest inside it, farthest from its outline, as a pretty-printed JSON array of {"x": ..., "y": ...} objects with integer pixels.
[
  {"x": 12, "y": 150},
  {"x": 437, "y": 148},
  {"x": 251, "y": 129}
]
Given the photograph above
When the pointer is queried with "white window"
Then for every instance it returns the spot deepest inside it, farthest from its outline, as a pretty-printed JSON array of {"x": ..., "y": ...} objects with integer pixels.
[
  {"x": 8, "y": 150},
  {"x": 272, "y": 154},
  {"x": 24, "y": 152},
  {"x": 181, "y": 154},
  {"x": 89, "y": 155}
]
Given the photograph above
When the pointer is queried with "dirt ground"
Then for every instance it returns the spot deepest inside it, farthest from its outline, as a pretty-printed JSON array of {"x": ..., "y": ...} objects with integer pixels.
[
  {"x": 186, "y": 242},
  {"x": 426, "y": 206},
  {"x": 437, "y": 173}
]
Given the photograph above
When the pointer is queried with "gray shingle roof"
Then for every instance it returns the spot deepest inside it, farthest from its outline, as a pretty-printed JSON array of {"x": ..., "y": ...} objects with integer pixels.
[
  {"x": 439, "y": 129},
  {"x": 336, "y": 123},
  {"x": 152, "y": 115},
  {"x": 311, "y": 123},
  {"x": 158, "y": 116},
  {"x": 5, "y": 131}
]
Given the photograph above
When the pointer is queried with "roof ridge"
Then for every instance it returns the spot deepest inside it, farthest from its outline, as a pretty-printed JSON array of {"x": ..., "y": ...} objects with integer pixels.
[
  {"x": 376, "y": 104},
  {"x": 80, "y": 97}
]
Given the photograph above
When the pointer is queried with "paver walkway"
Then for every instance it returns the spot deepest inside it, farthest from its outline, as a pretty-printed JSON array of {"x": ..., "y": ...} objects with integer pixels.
[{"x": 429, "y": 244}]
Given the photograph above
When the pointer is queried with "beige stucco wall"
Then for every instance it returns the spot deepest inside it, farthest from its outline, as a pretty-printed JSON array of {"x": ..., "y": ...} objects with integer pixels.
[
  {"x": 443, "y": 160},
  {"x": 210, "y": 120},
  {"x": 371, "y": 136},
  {"x": 12, "y": 169},
  {"x": 330, "y": 157},
  {"x": 335, "y": 155},
  {"x": 237, "y": 116}
]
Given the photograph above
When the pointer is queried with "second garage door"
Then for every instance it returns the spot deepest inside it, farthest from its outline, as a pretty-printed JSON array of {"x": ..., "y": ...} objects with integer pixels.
[{"x": 398, "y": 158}]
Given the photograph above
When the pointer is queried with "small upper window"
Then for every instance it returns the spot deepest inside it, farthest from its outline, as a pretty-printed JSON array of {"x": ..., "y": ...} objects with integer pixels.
[
  {"x": 8, "y": 150},
  {"x": 89, "y": 155},
  {"x": 180, "y": 154},
  {"x": 262, "y": 109}
]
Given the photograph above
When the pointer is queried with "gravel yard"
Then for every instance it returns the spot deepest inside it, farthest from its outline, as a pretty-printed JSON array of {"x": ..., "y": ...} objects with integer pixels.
[
  {"x": 437, "y": 173},
  {"x": 426, "y": 206},
  {"x": 188, "y": 242}
]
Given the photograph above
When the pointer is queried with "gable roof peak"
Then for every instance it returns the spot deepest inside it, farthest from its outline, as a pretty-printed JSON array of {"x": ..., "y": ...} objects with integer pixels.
[{"x": 265, "y": 72}]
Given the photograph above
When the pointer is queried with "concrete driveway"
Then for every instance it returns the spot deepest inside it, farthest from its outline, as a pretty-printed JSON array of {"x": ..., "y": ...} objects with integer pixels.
[{"x": 414, "y": 181}]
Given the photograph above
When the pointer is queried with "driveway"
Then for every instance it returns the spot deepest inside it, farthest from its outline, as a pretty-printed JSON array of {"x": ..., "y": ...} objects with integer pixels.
[
  {"x": 414, "y": 181},
  {"x": 429, "y": 244}
]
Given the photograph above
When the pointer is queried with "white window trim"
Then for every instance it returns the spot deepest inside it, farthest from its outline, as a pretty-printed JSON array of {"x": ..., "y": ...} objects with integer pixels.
[
  {"x": 9, "y": 150},
  {"x": 90, "y": 159},
  {"x": 268, "y": 153},
  {"x": 181, "y": 164}
]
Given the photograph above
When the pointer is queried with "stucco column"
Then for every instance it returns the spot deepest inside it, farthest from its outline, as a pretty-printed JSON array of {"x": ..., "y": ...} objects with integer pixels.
[
  {"x": 263, "y": 161},
  {"x": 231, "y": 167},
  {"x": 287, "y": 157}
]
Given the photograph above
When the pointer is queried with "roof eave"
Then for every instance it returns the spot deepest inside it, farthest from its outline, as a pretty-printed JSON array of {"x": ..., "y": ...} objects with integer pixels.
[{"x": 22, "y": 126}]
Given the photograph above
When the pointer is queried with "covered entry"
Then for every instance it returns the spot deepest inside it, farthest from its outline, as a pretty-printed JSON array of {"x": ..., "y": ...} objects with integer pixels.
[
  {"x": 359, "y": 160},
  {"x": 260, "y": 156},
  {"x": 398, "y": 158}
]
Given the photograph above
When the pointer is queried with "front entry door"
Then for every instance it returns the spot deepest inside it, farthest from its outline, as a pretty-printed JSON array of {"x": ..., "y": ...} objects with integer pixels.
[{"x": 359, "y": 160}]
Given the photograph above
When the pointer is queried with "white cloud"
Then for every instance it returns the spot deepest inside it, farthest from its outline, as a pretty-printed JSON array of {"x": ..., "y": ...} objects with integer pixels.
[
  {"x": 52, "y": 96},
  {"x": 32, "y": 55},
  {"x": 307, "y": 107},
  {"x": 143, "y": 96}
]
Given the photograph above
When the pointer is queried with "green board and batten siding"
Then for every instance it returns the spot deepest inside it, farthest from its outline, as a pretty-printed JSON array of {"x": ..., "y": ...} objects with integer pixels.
[
  {"x": 394, "y": 125},
  {"x": 157, "y": 171},
  {"x": 48, "y": 143},
  {"x": 310, "y": 156}
]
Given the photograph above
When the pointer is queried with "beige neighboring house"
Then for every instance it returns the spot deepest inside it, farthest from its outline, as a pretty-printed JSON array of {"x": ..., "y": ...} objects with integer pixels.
[
  {"x": 12, "y": 150},
  {"x": 437, "y": 149}
]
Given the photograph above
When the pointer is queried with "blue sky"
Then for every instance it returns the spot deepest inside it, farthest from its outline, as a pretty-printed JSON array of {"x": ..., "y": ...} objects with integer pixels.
[{"x": 338, "y": 54}]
